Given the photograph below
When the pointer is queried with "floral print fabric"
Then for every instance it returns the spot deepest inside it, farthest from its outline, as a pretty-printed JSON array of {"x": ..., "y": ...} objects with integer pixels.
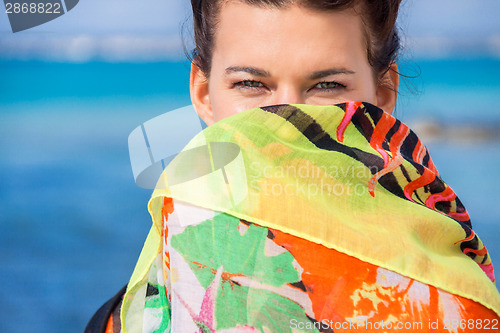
[{"x": 222, "y": 274}]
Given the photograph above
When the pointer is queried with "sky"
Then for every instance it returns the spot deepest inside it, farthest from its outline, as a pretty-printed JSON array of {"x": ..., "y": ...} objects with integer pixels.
[{"x": 150, "y": 29}]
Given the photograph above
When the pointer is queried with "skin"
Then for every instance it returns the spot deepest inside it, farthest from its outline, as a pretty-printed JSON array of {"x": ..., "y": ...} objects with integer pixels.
[{"x": 268, "y": 56}]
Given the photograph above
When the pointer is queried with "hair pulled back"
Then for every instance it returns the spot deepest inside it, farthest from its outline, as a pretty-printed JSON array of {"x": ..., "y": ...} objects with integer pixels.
[{"x": 378, "y": 16}]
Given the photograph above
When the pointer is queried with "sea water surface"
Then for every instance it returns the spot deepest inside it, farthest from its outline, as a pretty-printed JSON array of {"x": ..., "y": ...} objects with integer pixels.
[{"x": 72, "y": 220}]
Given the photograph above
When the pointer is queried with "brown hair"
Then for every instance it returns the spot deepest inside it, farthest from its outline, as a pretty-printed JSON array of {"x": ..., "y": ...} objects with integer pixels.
[{"x": 379, "y": 18}]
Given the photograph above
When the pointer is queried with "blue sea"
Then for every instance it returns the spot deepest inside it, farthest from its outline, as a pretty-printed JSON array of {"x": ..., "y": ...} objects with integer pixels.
[{"x": 72, "y": 220}]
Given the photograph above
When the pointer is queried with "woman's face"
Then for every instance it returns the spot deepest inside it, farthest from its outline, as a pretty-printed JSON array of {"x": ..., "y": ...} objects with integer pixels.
[{"x": 266, "y": 56}]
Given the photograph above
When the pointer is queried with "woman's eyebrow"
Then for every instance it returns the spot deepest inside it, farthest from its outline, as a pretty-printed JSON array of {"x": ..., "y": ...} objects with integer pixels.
[
  {"x": 249, "y": 70},
  {"x": 333, "y": 71}
]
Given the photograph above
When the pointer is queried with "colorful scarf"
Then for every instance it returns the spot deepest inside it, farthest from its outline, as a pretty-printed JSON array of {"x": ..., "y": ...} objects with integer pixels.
[{"x": 296, "y": 218}]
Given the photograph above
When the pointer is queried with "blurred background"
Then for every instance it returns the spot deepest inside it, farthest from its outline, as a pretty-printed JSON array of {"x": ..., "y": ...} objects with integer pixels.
[{"x": 72, "y": 220}]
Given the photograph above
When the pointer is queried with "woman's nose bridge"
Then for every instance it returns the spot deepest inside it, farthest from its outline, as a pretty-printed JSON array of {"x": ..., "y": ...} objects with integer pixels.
[{"x": 288, "y": 95}]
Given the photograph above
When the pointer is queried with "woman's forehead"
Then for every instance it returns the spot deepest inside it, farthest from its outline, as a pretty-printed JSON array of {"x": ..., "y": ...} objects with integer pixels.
[{"x": 291, "y": 36}]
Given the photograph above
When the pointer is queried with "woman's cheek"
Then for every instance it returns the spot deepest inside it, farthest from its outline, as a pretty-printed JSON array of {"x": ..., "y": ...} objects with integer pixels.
[
  {"x": 243, "y": 103},
  {"x": 229, "y": 107}
]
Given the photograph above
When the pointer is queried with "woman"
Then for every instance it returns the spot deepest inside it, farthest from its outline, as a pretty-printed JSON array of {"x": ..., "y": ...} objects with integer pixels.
[{"x": 343, "y": 225}]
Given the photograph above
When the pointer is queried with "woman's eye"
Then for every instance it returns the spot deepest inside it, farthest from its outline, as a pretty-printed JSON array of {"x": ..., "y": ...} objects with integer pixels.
[
  {"x": 329, "y": 85},
  {"x": 249, "y": 84}
]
